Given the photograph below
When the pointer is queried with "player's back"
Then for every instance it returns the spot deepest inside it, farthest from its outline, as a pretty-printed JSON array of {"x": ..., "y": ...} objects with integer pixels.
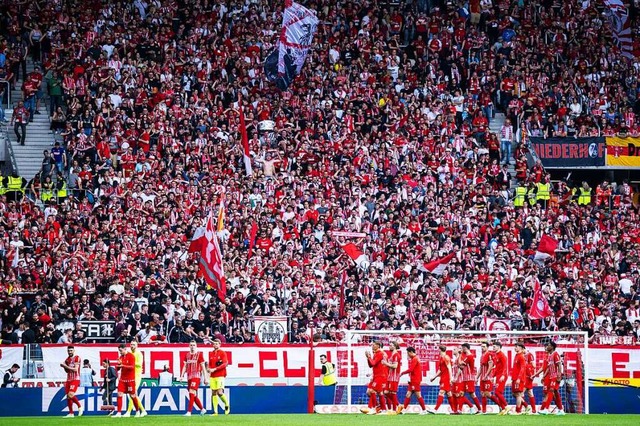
[{"x": 444, "y": 365}]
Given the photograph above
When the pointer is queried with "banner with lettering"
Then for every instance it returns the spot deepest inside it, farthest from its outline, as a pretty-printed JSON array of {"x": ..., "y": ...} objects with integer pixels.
[
  {"x": 570, "y": 152},
  {"x": 623, "y": 152}
]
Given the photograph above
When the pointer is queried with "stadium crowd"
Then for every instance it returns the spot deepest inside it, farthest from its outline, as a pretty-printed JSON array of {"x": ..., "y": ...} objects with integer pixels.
[{"x": 386, "y": 132}]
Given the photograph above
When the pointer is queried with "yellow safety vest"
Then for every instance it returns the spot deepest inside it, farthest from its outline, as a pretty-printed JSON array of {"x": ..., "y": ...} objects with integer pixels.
[
  {"x": 584, "y": 198},
  {"x": 46, "y": 193},
  {"x": 521, "y": 193},
  {"x": 544, "y": 191},
  {"x": 3, "y": 190},
  {"x": 330, "y": 377},
  {"x": 531, "y": 196},
  {"x": 15, "y": 184},
  {"x": 62, "y": 192}
]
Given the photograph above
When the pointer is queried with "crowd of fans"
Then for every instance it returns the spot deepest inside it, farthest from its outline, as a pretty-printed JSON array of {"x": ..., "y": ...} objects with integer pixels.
[{"x": 386, "y": 132}]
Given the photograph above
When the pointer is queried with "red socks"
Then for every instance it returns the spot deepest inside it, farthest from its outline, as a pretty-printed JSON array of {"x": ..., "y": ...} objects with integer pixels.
[
  {"x": 558, "y": 400},
  {"x": 532, "y": 402},
  {"x": 407, "y": 400},
  {"x": 421, "y": 402},
  {"x": 372, "y": 400},
  {"x": 438, "y": 402},
  {"x": 484, "y": 404},
  {"x": 383, "y": 404},
  {"x": 190, "y": 402},
  {"x": 119, "y": 404},
  {"x": 70, "y": 405},
  {"x": 476, "y": 402}
]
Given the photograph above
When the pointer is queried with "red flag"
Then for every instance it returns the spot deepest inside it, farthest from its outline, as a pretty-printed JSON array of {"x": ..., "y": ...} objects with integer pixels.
[
  {"x": 412, "y": 317},
  {"x": 245, "y": 140},
  {"x": 540, "y": 307},
  {"x": 253, "y": 233},
  {"x": 358, "y": 257},
  {"x": 211, "y": 260},
  {"x": 438, "y": 266},
  {"x": 546, "y": 248},
  {"x": 220, "y": 223}
]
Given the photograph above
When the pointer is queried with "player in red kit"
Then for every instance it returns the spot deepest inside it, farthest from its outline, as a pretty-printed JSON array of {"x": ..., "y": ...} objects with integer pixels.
[
  {"x": 518, "y": 376},
  {"x": 194, "y": 368},
  {"x": 444, "y": 372},
  {"x": 72, "y": 366},
  {"x": 530, "y": 370},
  {"x": 127, "y": 384},
  {"x": 378, "y": 382},
  {"x": 553, "y": 369},
  {"x": 393, "y": 363},
  {"x": 485, "y": 376},
  {"x": 500, "y": 373},
  {"x": 414, "y": 370},
  {"x": 456, "y": 381},
  {"x": 467, "y": 363}
]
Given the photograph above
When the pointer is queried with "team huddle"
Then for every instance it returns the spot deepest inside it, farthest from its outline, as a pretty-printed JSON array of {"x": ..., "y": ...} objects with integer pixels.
[
  {"x": 130, "y": 364},
  {"x": 458, "y": 377}
]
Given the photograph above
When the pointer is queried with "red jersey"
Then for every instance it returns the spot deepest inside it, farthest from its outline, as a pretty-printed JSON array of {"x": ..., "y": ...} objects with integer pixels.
[
  {"x": 375, "y": 362},
  {"x": 469, "y": 368},
  {"x": 218, "y": 359},
  {"x": 550, "y": 366},
  {"x": 193, "y": 363},
  {"x": 415, "y": 371},
  {"x": 394, "y": 373},
  {"x": 530, "y": 368},
  {"x": 444, "y": 365},
  {"x": 518, "y": 369},
  {"x": 72, "y": 362},
  {"x": 485, "y": 373},
  {"x": 499, "y": 364},
  {"x": 128, "y": 370}
]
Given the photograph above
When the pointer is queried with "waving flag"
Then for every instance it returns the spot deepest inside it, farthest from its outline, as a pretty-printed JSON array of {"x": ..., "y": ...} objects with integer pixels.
[
  {"x": 197, "y": 240},
  {"x": 618, "y": 17},
  {"x": 211, "y": 260},
  {"x": 358, "y": 257},
  {"x": 299, "y": 25},
  {"x": 546, "y": 248},
  {"x": 246, "y": 154},
  {"x": 220, "y": 223},
  {"x": 438, "y": 266},
  {"x": 540, "y": 308}
]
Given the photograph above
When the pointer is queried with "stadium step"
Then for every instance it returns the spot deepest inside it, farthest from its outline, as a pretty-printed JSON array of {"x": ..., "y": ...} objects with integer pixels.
[
  {"x": 494, "y": 127},
  {"x": 39, "y": 137}
]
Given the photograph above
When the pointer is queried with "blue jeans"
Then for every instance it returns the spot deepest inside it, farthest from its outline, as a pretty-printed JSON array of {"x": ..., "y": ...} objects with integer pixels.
[
  {"x": 1, "y": 113},
  {"x": 505, "y": 150},
  {"x": 30, "y": 104}
]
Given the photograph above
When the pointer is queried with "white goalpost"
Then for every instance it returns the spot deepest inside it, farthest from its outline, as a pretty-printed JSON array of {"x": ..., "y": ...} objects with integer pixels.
[{"x": 354, "y": 372}]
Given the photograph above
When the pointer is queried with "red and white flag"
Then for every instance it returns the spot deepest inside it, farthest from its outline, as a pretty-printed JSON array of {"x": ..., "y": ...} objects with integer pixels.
[
  {"x": 197, "y": 240},
  {"x": 618, "y": 17},
  {"x": 246, "y": 154},
  {"x": 438, "y": 266},
  {"x": 496, "y": 324},
  {"x": 253, "y": 233},
  {"x": 540, "y": 308},
  {"x": 546, "y": 248},
  {"x": 211, "y": 260},
  {"x": 358, "y": 257}
]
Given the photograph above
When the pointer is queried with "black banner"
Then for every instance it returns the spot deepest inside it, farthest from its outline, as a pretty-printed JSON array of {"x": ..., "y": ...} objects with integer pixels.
[
  {"x": 99, "y": 331},
  {"x": 570, "y": 152}
]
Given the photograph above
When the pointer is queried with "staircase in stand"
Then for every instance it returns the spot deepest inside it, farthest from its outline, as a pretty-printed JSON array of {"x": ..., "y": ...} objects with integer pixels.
[{"x": 39, "y": 136}]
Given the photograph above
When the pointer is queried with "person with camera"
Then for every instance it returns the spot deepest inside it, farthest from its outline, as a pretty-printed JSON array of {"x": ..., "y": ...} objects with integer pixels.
[
  {"x": 9, "y": 380},
  {"x": 108, "y": 384}
]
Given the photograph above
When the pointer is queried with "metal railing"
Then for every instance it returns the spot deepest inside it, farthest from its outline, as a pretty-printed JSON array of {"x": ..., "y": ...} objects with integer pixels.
[{"x": 8, "y": 84}]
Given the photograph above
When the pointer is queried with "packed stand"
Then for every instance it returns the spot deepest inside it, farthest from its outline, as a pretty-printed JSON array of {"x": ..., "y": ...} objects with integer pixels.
[{"x": 386, "y": 133}]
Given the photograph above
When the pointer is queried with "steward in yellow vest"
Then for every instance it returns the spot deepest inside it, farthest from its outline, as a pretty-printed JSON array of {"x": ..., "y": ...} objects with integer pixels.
[
  {"x": 328, "y": 376},
  {"x": 521, "y": 194},
  {"x": 584, "y": 194}
]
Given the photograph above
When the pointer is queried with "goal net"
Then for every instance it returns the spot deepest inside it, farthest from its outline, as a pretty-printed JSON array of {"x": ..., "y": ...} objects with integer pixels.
[{"x": 354, "y": 373}]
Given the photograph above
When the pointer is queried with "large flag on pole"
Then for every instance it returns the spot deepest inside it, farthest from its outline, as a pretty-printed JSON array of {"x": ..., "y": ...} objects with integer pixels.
[
  {"x": 211, "y": 260},
  {"x": 299, "y": 25},
  {"x": 220, "y": 223},
  {"x": 618, "y": 17}
]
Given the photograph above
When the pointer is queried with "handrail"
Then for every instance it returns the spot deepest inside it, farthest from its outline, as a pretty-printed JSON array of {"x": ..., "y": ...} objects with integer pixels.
[
  {"x": 11, "y": 160},
  {"x": 8, "y": 92}
]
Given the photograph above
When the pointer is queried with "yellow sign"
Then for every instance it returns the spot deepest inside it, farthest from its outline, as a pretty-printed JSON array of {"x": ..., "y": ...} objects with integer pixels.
[
  {"x": 611, "y": 382},
  {"x": 624, "y": 152}
]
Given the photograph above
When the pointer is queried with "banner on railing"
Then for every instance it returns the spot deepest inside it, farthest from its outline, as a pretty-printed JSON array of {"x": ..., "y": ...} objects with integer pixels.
[
  {"x": 8, "y": 356},
  {"x": 271, "y": 330},
  {"x": 288, "y": 364},
  {"x": 623, "y": 152},
  {"x": 99, "y": 331},
  {"x": 570, "y": 152}
]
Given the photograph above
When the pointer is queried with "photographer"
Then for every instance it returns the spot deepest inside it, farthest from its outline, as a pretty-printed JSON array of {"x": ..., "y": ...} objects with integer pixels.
[
  {"x": 9, "y": 380},
  {"x": 109, "y": 383}
]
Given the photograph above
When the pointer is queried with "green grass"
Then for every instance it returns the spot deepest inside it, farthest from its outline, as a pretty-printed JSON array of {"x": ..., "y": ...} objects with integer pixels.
[{"x": 334, "y": 419}]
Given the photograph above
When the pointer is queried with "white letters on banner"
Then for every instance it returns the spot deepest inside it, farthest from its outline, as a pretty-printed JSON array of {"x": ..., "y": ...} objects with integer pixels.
[{"x": 288, "y": 364}]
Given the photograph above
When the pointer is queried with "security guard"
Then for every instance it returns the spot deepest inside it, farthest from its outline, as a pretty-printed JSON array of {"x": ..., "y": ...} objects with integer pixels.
[
  {"x": 14, "y": 185},
  {"x": 521, "y": 194},
  {"x": 328, "y": 376},
  {"x": 584, "y": 196},
  {"x": 46, "y": 192},
  {"x": 543, "y": 191},
  {"x": 62, "y": 188},
  {"x": 532, "y": 194}
]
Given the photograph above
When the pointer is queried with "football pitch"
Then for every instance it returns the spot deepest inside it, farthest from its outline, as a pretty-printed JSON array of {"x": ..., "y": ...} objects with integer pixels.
[{"x": 332, "y": 419}]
